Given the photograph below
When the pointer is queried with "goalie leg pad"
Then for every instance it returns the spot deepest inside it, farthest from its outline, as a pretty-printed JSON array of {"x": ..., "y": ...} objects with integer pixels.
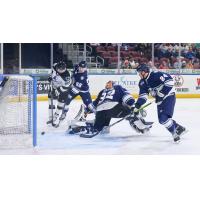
[
  {"x": 139, "y": 124},
  {"x": 81, "y": 116}
]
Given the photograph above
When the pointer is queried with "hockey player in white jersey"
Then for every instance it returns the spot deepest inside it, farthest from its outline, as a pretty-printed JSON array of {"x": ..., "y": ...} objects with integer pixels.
[
  {"x": 60, "y": 81},
  {"x": 159, "y": 85}
]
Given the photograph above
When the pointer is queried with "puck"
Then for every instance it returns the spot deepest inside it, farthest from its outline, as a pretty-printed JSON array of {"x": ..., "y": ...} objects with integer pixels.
[{"x": 42, "y": 133}]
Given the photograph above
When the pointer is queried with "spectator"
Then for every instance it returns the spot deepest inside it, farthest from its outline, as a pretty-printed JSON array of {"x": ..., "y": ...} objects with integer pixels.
[
  {"x": 183, "y": 64},
  {"x": 196, "y": 64},
  {"x": 164, "y": 65},
  {"x": 151, "y": 66},
  {"x": 126, "y": 64},
  {"x": 189, "y": 65},
  {"x": 198, "y": 53},
  {"x": 176, "y": 65},
  {"x": 190, "y": 54},
  {"x": 132, "y": 63}
]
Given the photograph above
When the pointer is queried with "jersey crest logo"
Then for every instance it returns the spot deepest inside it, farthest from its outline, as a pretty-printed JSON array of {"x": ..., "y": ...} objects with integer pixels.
[{"x": 162, "y": 78}]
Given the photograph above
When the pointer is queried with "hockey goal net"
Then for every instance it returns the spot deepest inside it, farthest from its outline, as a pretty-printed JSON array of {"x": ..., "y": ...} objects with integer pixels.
[{"x": 16, "y": 112}]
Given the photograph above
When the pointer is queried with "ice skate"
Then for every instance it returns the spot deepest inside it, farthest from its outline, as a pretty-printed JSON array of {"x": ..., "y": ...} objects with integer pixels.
[
  {"x": 180, "y": 130},
  {"x": 50, "y": 121},
  {"x": 176, "y": 137}
]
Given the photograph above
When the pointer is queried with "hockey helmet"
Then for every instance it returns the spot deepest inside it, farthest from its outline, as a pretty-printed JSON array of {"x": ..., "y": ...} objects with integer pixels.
[
  {"x": 83, "y": 64},
  {"x": 61, "y": 67},
  {"x": 143, "y": 68}
]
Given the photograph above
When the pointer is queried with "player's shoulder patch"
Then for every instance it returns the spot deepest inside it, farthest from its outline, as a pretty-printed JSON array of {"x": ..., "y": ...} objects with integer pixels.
[{"x": 162, "y": 78}]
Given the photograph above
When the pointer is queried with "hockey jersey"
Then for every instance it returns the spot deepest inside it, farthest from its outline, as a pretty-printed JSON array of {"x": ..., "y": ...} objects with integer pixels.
[
  {"x": 158, "y": 84},
  {"x": 60, "y": 80},
  {"x": 108, "y": 98},
  {"x": 80, "y": 80}
]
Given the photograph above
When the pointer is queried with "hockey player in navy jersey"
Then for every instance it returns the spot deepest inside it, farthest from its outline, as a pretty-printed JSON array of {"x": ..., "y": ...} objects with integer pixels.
[
  {"x": 80, "y": 87},
  {"x": 160, "y": 86},
  {"x": 113, "y": 102},
  {"x": 60, "y": 81}
]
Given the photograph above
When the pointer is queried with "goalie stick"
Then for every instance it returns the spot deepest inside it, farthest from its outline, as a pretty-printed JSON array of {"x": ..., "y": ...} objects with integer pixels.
[{"x": 85, "y": 135}]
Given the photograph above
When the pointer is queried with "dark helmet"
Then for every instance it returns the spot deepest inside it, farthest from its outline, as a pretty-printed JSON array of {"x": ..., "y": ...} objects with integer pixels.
[
  {"x": 83, "y": 64},
  {"x": 61, "y": 67},
  {"x": 143, "y": 67}
]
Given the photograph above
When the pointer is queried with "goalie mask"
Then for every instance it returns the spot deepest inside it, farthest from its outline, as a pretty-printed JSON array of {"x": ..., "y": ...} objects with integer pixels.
[{"x": 109, "y": 85}]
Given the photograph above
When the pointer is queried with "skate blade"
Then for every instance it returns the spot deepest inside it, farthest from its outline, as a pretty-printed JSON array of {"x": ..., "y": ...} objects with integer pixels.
[
  {"x": 177, "y": 142},
  {"x": 184, "y": 132}
]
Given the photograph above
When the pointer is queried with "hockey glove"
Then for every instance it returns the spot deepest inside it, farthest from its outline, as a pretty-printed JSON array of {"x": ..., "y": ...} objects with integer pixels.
[
  {"x": 49, "y": 79},
  {"x": 134, "y": 111},
  {"x": 57, "y": 92},
  {"x": 153, "y": 93}
]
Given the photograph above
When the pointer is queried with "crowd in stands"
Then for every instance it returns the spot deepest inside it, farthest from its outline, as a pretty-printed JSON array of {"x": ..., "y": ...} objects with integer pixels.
[{"x": 166, "y": 55}]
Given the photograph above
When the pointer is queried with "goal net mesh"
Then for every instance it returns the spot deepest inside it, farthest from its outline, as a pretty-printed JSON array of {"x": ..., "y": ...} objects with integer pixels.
[{"x": 16, "y": 111}]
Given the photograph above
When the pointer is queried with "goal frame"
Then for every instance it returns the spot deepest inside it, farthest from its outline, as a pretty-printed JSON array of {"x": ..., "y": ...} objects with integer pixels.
[{"x": 33, "y": 93}]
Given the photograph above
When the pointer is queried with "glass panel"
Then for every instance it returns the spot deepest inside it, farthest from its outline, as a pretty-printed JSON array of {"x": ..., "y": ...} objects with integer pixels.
[
  {"x": 131, "y": 54},
  {"x": 63, "y": 52},
  {"x": 11, "y": 58},
  {"x": 35, "y": 55}
]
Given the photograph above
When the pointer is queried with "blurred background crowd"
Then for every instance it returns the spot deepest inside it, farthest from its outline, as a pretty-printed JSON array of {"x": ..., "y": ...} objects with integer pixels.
[{"x": 100, "y": 55}]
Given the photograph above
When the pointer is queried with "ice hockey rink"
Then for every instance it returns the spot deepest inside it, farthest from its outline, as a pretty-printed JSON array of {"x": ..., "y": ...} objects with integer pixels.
[{"x": 122, "y": 138}]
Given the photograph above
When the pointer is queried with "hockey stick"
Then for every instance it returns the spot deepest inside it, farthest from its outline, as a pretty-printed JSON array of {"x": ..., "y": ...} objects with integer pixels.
[
  {"x": 131, "y": 114},
  {"x": 52, "y": 102},
  {"x": 92, "y": 135}
]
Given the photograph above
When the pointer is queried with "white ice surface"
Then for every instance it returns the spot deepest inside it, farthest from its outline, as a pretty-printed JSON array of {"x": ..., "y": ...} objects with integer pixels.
[{"x": 122, "y": 139}]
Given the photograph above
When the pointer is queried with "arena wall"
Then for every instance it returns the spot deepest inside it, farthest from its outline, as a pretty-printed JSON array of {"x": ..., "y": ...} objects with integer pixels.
[{"x": 186, "y": 86}]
